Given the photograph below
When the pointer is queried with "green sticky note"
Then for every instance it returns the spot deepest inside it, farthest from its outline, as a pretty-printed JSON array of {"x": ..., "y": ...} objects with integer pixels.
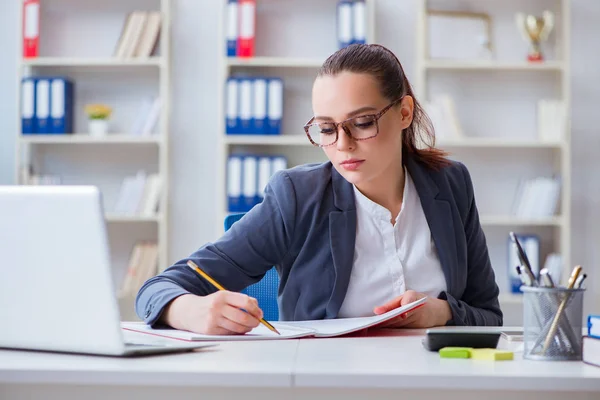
[
  {"x": 455, "y": 352},
  {"x": 491, "y": 354}
]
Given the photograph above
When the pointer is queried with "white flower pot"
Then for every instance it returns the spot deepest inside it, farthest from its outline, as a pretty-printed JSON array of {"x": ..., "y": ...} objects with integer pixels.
[{"x": 98, "y": 127}]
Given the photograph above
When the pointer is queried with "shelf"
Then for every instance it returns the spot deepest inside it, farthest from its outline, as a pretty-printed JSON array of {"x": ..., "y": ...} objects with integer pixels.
[
  {"x": 291, "y": 62},
  {"x": 496, "y": 142},
  {"x": 493, "y": 65},
  {"x": 496, "y": 220},
  {"x": 510, "y": 298},
  {"x": 124, "y": 218},
  {"x": 91, "y": 62},
  {"x": 82, "y": 138},
  {"x": 274, "y": 140}
]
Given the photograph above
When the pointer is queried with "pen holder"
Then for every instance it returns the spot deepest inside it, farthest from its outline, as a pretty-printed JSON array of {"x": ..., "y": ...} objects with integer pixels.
[{"x": 552, "y": 323}]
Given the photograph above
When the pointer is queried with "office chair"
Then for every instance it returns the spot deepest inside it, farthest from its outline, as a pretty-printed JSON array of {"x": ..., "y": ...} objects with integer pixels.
[{"x": 265, "y": 290}]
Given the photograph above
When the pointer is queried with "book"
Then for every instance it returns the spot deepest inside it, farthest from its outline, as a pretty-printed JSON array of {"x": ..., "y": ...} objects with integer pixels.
[
  {"x": 288, "y": 329},
  {"x": 591, "y": 351},
  {"x": 593, "y": 326}
]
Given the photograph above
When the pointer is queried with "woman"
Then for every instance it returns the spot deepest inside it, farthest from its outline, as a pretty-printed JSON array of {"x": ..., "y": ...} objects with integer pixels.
[{"x": 385, "y": 222}]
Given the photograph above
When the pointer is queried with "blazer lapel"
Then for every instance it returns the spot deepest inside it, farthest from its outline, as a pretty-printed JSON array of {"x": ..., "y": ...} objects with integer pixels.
[
  {"x": 439, "y": 218},
  {"x": 342, "y": 236}
]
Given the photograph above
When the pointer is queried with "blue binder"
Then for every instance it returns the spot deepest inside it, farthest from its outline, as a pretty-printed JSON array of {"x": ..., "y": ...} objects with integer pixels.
[
  {"x": 274, "y": 106},
  {"x": 42, "y": 105},
  {"x": 61, "y": 106},
  {"x": 234, "y": 184},
  {"x": 232, "y": 27},
  {"x": 28, "y": 116},
  {"x": 344, "y": 23},
  {"x": 232, "y": 107},
  {"x": 245, "y": 105}
]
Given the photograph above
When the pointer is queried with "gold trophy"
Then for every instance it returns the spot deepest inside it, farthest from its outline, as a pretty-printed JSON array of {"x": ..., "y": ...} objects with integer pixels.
[{"x": 535, "y": 30}]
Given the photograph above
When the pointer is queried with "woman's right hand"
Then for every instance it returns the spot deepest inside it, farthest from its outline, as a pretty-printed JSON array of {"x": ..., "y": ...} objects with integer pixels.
[{"x": 218, "y": 313}]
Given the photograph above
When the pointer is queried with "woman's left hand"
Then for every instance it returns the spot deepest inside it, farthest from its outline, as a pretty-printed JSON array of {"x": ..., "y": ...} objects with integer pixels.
[{"x": 434, "y": 312}]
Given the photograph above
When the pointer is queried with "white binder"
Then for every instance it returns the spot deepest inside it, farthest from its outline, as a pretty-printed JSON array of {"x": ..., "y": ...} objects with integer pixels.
[
  {"x": 259, "y": 106},
  {"x": 249, "y": 184},
  {"x": 275, "y": 101},
  {"x": 234, "y": 183}
]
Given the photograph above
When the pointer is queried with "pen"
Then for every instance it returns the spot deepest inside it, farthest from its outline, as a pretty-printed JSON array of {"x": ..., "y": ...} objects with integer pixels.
[
  {"x": 579, "y": 281},
  {"x": 546, "y": 279},
  {"x": 561, "y": 307},
  {"x": 216, "y": 284},
  {"x": 526, "y": 267}
]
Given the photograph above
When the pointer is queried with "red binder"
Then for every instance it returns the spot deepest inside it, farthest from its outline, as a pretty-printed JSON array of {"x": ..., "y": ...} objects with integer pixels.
[
  {"x": 247, "y": 20},
  {"x": 31, "y": 28}
]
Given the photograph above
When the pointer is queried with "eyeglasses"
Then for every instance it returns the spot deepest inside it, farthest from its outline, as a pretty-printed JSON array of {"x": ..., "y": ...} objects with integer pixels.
[{"x": 362, "y": 127}]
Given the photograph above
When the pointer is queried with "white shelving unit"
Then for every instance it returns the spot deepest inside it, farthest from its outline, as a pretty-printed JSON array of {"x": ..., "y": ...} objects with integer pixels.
[
  {"x": 98, "y": 77},
  {"x": 496, "y": 159},
  {"x": 297, "y": 63}
]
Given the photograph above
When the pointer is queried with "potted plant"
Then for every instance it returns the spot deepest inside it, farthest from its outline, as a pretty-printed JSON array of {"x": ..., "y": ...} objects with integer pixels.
[{"x": 98, "y": 116}]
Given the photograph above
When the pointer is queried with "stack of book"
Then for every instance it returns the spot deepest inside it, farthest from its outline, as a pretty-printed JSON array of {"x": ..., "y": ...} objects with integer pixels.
[
  {"x": 139, "y": 195},
  {"x": 143, "y": 265},
  {"x": 247, "y": 178},
  {"x": 537, "y": 198},
  {"x": 139, "y": 36}
]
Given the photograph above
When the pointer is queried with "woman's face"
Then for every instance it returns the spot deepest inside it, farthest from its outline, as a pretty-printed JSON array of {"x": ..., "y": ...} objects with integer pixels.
[{"x": 346, "y": 95}]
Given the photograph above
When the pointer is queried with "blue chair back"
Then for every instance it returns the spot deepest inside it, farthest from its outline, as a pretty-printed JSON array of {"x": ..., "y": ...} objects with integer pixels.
[{"x": 265, "y": 290}]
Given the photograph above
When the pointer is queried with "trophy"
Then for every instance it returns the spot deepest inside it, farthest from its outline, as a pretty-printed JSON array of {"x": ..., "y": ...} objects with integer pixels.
[{"x": 535, "y": 30}]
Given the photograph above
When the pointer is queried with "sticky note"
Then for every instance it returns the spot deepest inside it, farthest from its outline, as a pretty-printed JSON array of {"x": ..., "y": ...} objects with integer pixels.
[
  {"x": 491, "y": 354},
  {"x": 455, "y": 352}
]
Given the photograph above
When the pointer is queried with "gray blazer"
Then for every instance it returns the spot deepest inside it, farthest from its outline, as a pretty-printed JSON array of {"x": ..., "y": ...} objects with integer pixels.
[{"x": 306, "y": 228}]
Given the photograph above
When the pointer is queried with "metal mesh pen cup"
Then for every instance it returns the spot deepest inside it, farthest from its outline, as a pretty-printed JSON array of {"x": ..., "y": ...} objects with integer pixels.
[{"x": 552, "y": 323}]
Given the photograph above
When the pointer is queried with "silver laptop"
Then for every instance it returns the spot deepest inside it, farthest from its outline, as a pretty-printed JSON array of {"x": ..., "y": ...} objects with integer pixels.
[{"x": 56, "y": 284}]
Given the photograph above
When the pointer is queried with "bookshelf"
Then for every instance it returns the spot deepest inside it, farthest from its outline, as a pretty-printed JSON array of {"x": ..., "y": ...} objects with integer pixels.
[
  {"x": 295, "y": 58},
  {"x": 496, "y": 104},
  {"x": 68, "y": 47}
]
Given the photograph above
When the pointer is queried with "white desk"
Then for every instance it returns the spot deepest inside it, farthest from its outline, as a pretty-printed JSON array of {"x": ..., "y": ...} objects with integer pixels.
[{"x": 387, "y": 365}]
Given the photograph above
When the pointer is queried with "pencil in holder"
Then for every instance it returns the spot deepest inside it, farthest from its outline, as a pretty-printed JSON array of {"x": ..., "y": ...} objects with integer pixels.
[{"x": 552, "y": 323}]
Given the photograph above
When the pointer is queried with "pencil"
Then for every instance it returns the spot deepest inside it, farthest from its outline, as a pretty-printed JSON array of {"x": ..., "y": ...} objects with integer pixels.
[{"x": 216, "y": 284}]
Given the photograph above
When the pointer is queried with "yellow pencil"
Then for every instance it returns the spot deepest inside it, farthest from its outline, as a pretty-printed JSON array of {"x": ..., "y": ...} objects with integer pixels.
[{"x": 216, "y": 284}]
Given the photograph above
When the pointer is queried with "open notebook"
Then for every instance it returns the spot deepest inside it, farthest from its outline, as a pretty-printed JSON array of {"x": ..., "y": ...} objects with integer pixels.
[{"x": 288, "y": 329}]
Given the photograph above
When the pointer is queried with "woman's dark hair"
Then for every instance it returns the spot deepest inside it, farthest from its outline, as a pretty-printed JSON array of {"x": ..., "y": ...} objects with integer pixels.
[{"x": 385, "y": 67}]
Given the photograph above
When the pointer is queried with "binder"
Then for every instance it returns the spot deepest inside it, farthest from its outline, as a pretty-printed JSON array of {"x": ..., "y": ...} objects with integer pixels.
[
  {"x": 259, "y": 106},
  {"x": 275, "y": 106},
  {"x": 31, "y": 28},
  {"x": 42, "y": 105},
  {"x": 247, "y": 25},
  {"x": 344, "y": 23},
  {"x": 245, "y": 110},
  {"x": 264, "y": 174},
  {"x": 278, "y": 163},
  {"x": 232, "y": 27},
  {"x": 249, "y": 182},
  {"x": 61, "y": 106},
  {"x": 359, "y": 29},
  {"x": 28, "y": 117},
  {"x": 232, "y": 115},
  {"x": 234, "y": 184}
]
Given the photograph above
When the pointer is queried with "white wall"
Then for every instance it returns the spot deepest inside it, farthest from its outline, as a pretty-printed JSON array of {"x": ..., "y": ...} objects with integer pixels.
[{"x": 194, "y": 127}]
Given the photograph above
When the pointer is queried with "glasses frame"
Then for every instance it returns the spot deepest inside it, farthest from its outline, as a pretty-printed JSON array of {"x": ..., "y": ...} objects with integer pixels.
[{"x": 343, "y": 125}]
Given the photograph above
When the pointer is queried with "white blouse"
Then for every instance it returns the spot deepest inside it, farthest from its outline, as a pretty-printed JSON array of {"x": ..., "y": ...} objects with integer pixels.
[{"x": 390, "y": 259}]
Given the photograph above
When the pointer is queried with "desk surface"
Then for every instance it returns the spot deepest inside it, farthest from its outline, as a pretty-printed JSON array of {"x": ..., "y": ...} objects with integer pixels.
[{"x": 384, "y": 359}]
